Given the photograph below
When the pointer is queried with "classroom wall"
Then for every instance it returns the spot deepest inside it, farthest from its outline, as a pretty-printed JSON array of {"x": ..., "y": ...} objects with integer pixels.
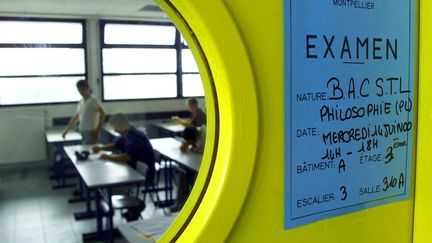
[
  {"x": 32, "y": 151},
  {"x": 23, "y": 143}
]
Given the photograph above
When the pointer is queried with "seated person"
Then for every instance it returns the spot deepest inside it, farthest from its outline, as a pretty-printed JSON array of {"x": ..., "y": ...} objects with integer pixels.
[
  {"x": 198, "y": 115},
  {"x": 194, "y": 142},
  {"x": 133, "y": 146},
  {"x": 194, "y": 139}
]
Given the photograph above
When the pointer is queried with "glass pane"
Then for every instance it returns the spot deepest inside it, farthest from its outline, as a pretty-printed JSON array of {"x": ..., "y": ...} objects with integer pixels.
[
  {"x": 183, "y": 40},
  {"x": 41, "y": 32},
  {"x": 140, "y": 86},
  {"x": 188, "y": 61},
  {"x": 192, "y": 85},
  {"x": 41, "y": 61},
  {"x": 133, "y": 34},
  {"x": 139, "y": 60},
  {"x": 17, "y": 91}
]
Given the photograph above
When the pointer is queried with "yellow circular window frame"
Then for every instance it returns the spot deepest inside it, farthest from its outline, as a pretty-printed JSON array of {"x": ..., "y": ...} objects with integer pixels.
[{"x": 232, "y": 130}]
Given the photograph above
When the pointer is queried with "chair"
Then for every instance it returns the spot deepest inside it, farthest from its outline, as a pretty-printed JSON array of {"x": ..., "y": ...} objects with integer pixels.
[
  {"x": 133, "y": 204},
  {"x": 153, "y": 188},
  {"x": 122, "y": 202}
]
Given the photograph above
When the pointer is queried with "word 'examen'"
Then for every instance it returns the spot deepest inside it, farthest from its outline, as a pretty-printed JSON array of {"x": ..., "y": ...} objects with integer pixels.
[{"x": 357, "y": 48}]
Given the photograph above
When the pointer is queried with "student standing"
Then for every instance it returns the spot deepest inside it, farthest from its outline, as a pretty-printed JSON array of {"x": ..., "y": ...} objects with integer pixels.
[
  {"x": 198, "y": 115},
  {"x": 90, "y": 115}
]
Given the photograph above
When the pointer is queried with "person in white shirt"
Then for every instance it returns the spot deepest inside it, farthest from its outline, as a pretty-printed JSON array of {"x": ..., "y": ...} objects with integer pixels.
[{"x": 90, "y": 115}]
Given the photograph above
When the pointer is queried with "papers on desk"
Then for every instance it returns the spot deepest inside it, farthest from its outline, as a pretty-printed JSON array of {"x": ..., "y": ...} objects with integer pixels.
[
  {"x": 151, "y": 229},
  {"x": 94, "y": 156}
]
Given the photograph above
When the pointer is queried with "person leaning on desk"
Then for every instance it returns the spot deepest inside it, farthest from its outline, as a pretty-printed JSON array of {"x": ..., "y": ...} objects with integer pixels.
[
  {"x": 90, "y": 115},
  {"x": 194, "y": 141},
  {"x": 133, "y": 146},
  {"x": 198, "y": 115}
]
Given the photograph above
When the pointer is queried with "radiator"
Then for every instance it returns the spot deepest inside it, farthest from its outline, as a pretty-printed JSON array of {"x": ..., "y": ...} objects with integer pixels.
[{"x": 22, "y": 137}]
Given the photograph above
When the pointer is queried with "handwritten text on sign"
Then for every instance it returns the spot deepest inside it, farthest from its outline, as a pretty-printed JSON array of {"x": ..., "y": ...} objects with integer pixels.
[{"x": 349, "y": 90}]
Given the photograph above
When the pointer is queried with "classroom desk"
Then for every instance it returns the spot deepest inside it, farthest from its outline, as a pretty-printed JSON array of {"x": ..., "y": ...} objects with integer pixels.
[
  {"x": 102, "y": 176},
  {"x": 148, "y": 230},
  {"x": 170, "y": 149},
  {"x": 85, "y": 192},
  {"x": 54, "y": 137},
  {"x": 188, "y": 162},
  {"x": 169, "y": 127}
]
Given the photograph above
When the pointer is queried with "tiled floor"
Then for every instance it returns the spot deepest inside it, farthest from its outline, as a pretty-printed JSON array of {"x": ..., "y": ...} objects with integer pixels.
[{"x": 32, "y": 212}]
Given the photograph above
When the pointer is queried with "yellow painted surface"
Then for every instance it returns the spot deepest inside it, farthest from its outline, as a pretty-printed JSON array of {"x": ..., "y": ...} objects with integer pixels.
[
  {"x": 423, "y": 198},
  {"x": 237, "y": 102},
  {"x": 242, "y": 43}
]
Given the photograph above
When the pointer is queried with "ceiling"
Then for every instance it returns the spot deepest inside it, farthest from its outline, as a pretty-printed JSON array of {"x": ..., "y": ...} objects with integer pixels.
[{"x": 84, "y": 8}]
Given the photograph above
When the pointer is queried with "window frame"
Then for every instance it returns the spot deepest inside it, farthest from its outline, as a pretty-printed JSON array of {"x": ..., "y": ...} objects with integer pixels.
[
  {"x": 83, "y": 46},
  {"x": 183, "y": 46},
  {"x": 178, "y": 47}
]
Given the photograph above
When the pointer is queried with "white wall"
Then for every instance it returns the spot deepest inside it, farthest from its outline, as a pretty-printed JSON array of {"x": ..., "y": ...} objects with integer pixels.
[
  {"x": 53, "y": 111},
  {"x": 18, "y": 133}
]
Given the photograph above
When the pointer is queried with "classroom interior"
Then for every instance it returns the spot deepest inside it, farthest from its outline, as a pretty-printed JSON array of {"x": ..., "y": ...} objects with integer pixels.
[{"x": 136, "y": 63}]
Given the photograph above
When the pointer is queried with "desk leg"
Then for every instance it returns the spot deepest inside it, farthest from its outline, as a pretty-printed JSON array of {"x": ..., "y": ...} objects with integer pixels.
[
  {"x": 167, "y": 175},
  {"x": 81, "y": 197},
  {"x": 167, "y": 187},
  {"x": 57, "y": 150},
  {"x": 89, "y": 213},
  {"x": 59, "y": 164},
  {"x": 170, "y": 181},
  {"x": 88, "y": 198},
  {"x": 99, "y": 213},
  {"x": 110, "y": 224},
  {"x": 99, "y": 234}
]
